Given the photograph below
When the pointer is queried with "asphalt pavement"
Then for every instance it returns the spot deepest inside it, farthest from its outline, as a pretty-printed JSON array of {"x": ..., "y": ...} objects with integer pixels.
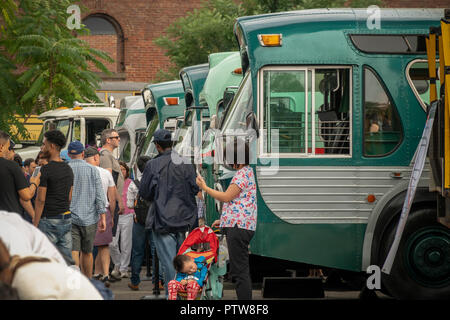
[{"x": 123, "y": 292}]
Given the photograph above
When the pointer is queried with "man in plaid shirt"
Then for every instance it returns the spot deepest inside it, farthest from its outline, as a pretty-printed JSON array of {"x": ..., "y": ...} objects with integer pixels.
[{"x": 88, "y": 207}]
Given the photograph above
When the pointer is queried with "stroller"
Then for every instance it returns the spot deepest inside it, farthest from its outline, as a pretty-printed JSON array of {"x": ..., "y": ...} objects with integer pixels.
[{"x": 202, "y": 241}]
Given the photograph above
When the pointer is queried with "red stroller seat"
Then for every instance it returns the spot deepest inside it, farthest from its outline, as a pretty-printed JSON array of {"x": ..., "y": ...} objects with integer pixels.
[{"x": 203, "y": 237}]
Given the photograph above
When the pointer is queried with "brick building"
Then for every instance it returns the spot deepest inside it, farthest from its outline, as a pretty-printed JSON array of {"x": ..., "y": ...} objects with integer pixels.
[
  {"x": 417, "y": 3},
  {"x": 126, "y": 30}
]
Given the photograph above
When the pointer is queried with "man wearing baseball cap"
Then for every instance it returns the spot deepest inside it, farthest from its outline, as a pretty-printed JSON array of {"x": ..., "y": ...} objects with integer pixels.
[
  {"x": 88, "y": 207},
  {"x": 170, "y": 183}
]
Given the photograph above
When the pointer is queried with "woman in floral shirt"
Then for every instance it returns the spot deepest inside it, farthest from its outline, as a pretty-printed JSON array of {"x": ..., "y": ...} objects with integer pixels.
[{"x": 238, "y": 219}]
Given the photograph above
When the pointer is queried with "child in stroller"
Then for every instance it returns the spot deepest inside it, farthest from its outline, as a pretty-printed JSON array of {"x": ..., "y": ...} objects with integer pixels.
[
  {"x": 191, "y": 273},
  {"x": 192, "y": 263}
]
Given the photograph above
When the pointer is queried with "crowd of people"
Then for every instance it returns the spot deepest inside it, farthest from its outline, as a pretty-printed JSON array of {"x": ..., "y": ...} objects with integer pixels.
[{"x": 93, "y": 212}]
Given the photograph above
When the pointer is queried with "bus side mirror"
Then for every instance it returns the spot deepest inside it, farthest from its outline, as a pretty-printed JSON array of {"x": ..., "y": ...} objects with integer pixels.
[
  {"x": 186, "y": 116},
  {"x": 138, "y": 136},
  {"x": 252, "y": 124},
  {"x": 228, "y": 96},
  {"x": 220, "y": 112},
  {"x": 213, "y": 123},
  {"x": 188, "y": 98},
  {"x": 98, "y": 140},
  {"x": 111, "y": 102}
]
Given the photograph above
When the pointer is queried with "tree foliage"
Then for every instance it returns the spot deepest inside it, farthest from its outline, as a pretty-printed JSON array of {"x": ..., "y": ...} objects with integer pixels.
[
  {"x": 8, "y": 83},
  {"x": 54, "y": 65},
  {"x": 190, "y": 39},
  {"x": 209, "y": 29},
  {"x": 266, "y": 6}
]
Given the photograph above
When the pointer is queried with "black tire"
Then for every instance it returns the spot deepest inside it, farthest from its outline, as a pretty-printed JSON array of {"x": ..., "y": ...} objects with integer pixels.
[{"x": 421, "y": 269}]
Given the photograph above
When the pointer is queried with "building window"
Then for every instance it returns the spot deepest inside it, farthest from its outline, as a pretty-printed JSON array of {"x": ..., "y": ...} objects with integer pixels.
[
  {"x": 99, "y": 26},
  {"x": 106, "y": 34}
]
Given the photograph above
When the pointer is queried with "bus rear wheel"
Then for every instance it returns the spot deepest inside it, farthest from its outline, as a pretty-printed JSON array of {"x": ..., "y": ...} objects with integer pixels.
[{"x": 421, "y": 269}]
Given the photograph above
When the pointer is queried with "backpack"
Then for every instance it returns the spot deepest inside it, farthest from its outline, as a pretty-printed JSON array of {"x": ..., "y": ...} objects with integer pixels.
[{"x": 142, "y": 206}]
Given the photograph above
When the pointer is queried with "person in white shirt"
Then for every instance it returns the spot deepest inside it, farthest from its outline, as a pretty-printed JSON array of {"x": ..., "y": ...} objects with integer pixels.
[
  {"x": 103, "y": 239},
  {"x": 23, "y": 239},
  {"x": 132, "y": 195},
  {"x": 37, "y": 277}
]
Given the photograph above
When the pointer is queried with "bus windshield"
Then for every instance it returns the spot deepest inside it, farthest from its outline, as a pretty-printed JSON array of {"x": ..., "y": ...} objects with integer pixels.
[{"x": 62, "y": 125}]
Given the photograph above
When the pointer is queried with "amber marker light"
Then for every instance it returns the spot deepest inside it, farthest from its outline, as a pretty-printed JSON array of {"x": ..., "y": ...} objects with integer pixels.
[
  {"x": 171, "y": 101},
  {"x": 237, "y": 71},
  {"x": 270, "y": 40},
  {"x": 396, "y": 175},
  {"x": 371, "y": 198}
]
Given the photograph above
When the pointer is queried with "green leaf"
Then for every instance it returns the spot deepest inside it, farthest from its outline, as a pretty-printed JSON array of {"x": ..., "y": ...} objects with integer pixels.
[{"x": 35, "y": 88}]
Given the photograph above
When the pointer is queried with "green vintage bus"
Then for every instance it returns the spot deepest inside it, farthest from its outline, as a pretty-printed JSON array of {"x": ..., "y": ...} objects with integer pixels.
[
  {"x": 164, "y": 98},
  {"x": 164, "y": 102},
  {"x": 340, "y": 106},
  {"x": 130, "y": 125},
  {"x": 224, "y": 72},
  {"x": 204, "y": 89},
  {"x": 193, "y": 79}
]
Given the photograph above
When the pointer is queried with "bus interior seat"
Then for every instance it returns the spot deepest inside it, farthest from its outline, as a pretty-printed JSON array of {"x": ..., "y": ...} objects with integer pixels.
[{"x": 333, "y": 113}]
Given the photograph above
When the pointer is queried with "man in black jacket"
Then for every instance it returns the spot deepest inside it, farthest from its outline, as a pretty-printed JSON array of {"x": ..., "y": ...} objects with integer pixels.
[{"x": 170, "y": 183}]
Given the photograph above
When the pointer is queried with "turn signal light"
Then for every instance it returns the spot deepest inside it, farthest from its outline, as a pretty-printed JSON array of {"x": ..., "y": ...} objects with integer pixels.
[
  {"x": 237, "y": 71},
  {"x": 77, "y": 108},
  {"x": 270, "y": 40},
  {"x": 171, "y": 101},
  {"x": 371, "y": 198}
]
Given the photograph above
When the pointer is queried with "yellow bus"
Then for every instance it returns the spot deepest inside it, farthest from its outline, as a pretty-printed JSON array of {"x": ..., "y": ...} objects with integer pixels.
[{"x": 33, "y": 126}]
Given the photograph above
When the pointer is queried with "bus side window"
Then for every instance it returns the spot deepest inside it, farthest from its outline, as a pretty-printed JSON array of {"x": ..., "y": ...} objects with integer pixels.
[
  {"x": 312, "y": 122},
  {"x": 419, "y": 81},
  {"x": 382, "y": 127},
  {"x": 332, "y": 111},
  {"x": 285, "y": 109}
]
